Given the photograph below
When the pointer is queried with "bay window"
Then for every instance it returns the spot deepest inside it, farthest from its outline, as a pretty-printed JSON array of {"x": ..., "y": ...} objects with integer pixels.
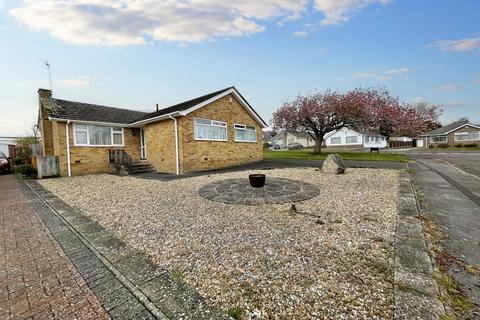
[
  {"x": 438, "y": 139},
  {"x": 244, "y": 133},
  {"x": 207, "y": 129},
  {"x": 90, "y": 135}
]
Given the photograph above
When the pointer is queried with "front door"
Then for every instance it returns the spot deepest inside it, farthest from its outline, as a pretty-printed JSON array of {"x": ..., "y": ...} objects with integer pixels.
[{"x": 143, "y": 147}]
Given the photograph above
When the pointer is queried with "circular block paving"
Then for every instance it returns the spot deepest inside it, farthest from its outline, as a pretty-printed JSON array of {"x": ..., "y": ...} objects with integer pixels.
[{"x": 276, "y": 190}]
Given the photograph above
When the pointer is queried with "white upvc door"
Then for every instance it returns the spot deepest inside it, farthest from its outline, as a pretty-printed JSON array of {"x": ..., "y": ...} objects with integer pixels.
[{"x": 143, "y": 145}]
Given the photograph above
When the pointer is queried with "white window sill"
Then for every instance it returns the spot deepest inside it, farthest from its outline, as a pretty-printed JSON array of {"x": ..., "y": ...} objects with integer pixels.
[
  {"x": 197, "y": 139},
  {"x": 99, "y": 146}
]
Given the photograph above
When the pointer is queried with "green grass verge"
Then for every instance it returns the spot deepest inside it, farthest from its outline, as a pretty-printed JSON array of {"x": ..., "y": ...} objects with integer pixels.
[{"x": 310, "y": 155}]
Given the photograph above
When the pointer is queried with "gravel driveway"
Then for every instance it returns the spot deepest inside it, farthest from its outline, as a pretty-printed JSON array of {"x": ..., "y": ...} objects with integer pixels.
[{"x": 332, "y": 259}]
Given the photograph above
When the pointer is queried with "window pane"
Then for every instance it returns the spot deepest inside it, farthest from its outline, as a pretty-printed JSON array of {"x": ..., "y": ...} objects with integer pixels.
[
  {"x": 217, "y": 123},
  {"x": 100, "y": 135},
  {"x": 336, "y": 140},
  {"x": 117, "y": 139},
  {"x": 245, "y": 135},
  {"x": 80, "y": 126},
  {"x": 80, "y": 137},
  {"x": 117, "y": 129},
  {"x": 210, "y": 133},
  {"x": 351, "y": 139}
]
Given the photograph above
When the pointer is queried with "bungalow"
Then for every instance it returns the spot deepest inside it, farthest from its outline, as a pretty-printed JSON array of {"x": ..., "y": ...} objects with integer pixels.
[
  {"x": 347, "y": 137},
  {"x": 284, "y": 138},
  {"x": 459, "y": 132},
  {"x": 216, "y": 130},
  {"x": 7, "y": 146}
]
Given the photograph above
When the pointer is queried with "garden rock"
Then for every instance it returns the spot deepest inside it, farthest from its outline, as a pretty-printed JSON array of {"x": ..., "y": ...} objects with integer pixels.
[{"x": 333, "y": 164}]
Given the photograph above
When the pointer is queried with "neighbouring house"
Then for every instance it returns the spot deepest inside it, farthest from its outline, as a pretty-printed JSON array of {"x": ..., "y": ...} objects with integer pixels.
[
  {"x": 344, "y": 137},
  {"x": 349, "y": 138},
  {"x": 284, "y": 138},
  {"x": 216, "y": 130},
  {"x": 267, "y": 137},
  {"x": 7, "y": 146},
  {"x": 459, "y": 132}
]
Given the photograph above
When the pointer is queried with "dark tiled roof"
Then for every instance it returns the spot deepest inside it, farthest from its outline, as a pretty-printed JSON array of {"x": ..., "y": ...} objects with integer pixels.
[
  {"x": 71, "y": 110},
  {"x": 447, "y": 128},
  {"x": 64, "y": 109},
  {"x": 182, "y": 106}
]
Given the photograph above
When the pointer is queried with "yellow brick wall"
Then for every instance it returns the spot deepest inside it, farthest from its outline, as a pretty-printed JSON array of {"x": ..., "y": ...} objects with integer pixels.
[
  {"x": 89, "y": 160},
  {"x": 160, "y": 141},
  {"x": 207, "y": 155},
  {"x": 47, "y": 137}
]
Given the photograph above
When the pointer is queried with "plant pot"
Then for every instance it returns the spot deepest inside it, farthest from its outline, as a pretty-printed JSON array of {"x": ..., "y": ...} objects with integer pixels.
[{"x": 257, "y": 180}]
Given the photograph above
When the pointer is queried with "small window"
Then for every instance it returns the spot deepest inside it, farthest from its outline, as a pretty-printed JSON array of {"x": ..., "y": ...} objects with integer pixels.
[
  {"x": 245, "y": 133},
  {"x": 351, "y": 139},
  {"x": 438, "y": 139},
  {"x": 117, "y": 136},
  {"x": 336, "y": 140},
  {"x": 81, "y": 134},
  {"x": 206, "y": 129}
]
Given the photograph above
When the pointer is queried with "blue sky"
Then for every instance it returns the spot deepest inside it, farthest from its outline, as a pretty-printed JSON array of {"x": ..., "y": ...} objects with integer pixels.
[{"x": 135, "y": 54}]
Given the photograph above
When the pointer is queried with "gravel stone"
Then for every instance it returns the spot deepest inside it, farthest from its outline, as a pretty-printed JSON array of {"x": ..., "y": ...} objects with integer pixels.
[{"x": 269, "y": 261}]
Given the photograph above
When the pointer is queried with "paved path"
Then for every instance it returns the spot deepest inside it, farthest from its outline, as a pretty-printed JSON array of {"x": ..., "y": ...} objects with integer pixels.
[
  {"x": 37, "y": 279},
  {"x": 451, "y": 198}
]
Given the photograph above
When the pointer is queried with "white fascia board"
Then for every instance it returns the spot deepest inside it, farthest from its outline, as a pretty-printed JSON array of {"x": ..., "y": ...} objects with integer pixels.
[
  {"x": 221, "y": 95},
  {"x": 154, "y": 119}
]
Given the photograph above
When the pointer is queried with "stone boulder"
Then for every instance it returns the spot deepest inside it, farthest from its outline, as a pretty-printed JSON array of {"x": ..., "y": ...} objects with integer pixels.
[{"x": 333, "y": 164}]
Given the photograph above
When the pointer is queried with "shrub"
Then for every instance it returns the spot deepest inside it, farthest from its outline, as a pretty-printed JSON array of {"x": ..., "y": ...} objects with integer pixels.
[
  {"x": 458, "y": 145},
  {"x": 443, "y": 145},
  {"x": 471, "y": 145},
  {"x": 431, "y": 146},
  {"x": 25, "y": 169}
]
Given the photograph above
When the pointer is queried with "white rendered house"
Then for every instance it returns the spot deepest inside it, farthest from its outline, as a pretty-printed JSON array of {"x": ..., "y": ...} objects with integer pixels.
[{"x": 347, "y": 137}]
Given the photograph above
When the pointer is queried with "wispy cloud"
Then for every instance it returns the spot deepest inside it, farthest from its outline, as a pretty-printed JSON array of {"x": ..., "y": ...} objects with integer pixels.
[
  {"x": 383, "y": 76},
  {"x": 300, "y": 33},
  {"x": 418, "y": 100},
  {"x": 454, "y": 104},
  {"x": 336, "y": 12},
  {"x": 449, "y": 87},
  {"x": 78, "y": 81},
  {"x": 466, "y": 44}
]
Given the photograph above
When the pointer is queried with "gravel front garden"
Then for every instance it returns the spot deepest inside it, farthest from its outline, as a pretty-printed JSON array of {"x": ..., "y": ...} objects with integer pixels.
[{"x": 330, "y": 257}]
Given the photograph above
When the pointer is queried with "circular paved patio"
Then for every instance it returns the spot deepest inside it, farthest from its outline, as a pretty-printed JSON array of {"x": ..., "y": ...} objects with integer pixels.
[{"x": 276, "y": 190}]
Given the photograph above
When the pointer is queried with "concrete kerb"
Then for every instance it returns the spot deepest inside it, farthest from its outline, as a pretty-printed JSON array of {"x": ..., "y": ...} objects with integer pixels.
[{"x": 416, "y": 291}]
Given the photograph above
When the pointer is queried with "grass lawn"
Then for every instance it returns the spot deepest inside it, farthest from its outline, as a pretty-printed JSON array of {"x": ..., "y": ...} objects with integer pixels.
[{"x": 310, "y": 155}]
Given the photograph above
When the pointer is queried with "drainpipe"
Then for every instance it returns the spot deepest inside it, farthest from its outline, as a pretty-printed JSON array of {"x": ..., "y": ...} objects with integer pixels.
[
  {"x": 177, "y": 155},
  {"x": 68, "y": 149}
]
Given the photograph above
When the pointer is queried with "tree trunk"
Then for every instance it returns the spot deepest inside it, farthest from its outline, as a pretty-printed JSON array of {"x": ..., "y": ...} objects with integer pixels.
[{"x": 318, "y": 144}]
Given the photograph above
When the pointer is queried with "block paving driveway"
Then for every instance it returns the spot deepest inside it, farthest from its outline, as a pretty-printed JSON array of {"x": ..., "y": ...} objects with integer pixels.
[{"x": 37, "y": 279}]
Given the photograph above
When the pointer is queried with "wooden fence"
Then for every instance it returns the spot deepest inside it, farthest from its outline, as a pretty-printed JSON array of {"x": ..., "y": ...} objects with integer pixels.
[{"x": 47, "y": 166}]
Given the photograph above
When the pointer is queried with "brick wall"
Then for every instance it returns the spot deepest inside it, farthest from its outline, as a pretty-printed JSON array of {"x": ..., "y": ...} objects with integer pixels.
[
  {"x": 207, "y": 155},
  {"x": 89, "y": 160},
  {"x": 451, "y": 137},
  {"x": 160, "y": 141}
]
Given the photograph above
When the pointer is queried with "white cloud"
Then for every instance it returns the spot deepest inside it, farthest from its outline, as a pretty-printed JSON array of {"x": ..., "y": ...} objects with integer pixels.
[
  {"x": 382, "y": 76},
  {"x": 454, "y": 104},
  {"x": 418, "y": 100},
  {"x": 449, "y": 87},
  {"x": 338, "y": 11},
  {"x": 466, "y": 44},
  {"x": 300, "y": 33},
  {"x": 78, "y": 81},
  {"x": 130, "y": 22}
]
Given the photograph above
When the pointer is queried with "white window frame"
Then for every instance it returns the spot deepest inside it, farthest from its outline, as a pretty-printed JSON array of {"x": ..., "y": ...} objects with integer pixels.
[
  {"x": 331, "y": 140},
  {"x": 75, "y": 129},
  {"x": 440, "y": 136},
  {"x": 456, "y": 134},
  {"x": 238, "y": 126},
  {"x": 212, "y": 124},
  {"x": 355, "y": 142}
]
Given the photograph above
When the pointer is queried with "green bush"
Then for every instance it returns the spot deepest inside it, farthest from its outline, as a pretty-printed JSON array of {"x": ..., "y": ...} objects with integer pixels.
[
  {"x": 470, "y": 145},
  {"x": 431, "y": 146},
  {"x": 25, "y": 169},
  {"x": 458, "y": 145},
  {"x": 443, "y": 145}
]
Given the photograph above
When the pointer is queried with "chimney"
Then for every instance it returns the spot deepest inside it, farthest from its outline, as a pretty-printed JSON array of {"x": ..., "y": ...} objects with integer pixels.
[
  {"x": 44, "y": 93},
  {"x": 157, "y": 107}
]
